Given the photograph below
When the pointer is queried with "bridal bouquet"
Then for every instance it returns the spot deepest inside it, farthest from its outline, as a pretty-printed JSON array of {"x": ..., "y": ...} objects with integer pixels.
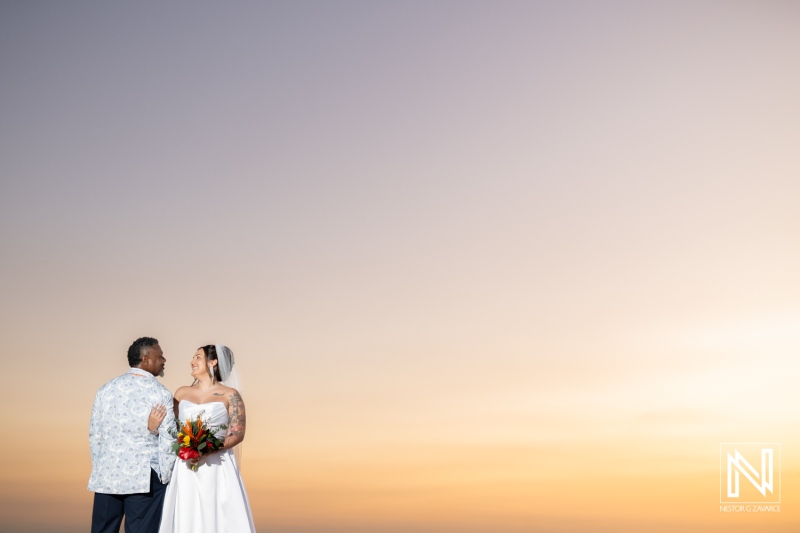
[{"x": 196, "y": 438}]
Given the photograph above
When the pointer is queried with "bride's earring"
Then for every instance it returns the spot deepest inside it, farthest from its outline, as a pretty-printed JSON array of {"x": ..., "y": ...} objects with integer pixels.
[{"x": 213, "y": 374}]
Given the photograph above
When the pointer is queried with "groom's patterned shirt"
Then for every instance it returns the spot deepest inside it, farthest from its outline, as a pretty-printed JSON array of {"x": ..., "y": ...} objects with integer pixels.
[{"x": 123, "y": 450}]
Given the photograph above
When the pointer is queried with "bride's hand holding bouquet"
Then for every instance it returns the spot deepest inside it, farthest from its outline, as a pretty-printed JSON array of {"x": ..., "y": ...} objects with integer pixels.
[{"x": 195, "y": 439}]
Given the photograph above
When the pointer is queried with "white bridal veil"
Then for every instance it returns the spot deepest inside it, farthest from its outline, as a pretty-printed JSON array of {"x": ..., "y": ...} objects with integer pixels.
[
  {"x": 229, "y": 375},
  {"x": 227, "y": 370}
]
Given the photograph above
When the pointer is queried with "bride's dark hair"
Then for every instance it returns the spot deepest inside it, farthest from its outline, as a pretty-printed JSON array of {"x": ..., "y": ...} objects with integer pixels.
[{"x": 211, "y": 355}]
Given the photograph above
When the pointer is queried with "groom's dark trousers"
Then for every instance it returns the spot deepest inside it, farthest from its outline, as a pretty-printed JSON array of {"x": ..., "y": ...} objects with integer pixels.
[{"x": 142, "y": 512}]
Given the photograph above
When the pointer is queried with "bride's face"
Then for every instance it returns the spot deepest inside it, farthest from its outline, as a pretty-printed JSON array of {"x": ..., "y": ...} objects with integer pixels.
[{"x": 199, "y": 364}]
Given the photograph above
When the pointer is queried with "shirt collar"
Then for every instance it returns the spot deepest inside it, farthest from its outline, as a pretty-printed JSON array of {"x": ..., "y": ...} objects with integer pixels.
[{"x": 140, "y": 372}]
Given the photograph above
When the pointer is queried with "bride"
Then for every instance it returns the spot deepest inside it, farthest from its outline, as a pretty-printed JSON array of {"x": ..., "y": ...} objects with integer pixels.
[{"x": 211, "y": 499}]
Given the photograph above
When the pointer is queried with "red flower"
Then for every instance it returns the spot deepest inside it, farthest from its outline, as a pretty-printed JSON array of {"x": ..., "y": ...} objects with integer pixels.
[{"x": 188, "y": 453}]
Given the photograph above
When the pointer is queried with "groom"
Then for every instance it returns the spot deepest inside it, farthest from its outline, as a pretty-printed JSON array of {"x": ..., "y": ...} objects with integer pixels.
[{"x": 130, "y": 465}]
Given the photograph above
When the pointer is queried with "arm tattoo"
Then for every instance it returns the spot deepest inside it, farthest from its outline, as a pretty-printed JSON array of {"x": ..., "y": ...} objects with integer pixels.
[{"x": 237, "y": 420}]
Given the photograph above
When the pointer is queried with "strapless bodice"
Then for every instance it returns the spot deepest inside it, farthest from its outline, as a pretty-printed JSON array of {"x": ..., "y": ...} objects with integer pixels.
[{"x": 214, "y": 414}]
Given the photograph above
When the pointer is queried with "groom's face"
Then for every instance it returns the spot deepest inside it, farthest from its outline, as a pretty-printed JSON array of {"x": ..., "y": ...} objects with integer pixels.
[{"x": 154, "y": 360}]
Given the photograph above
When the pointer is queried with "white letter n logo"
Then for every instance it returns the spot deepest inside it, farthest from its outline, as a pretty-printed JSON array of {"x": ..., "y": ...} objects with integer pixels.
[{"x": 741, "y": 465}]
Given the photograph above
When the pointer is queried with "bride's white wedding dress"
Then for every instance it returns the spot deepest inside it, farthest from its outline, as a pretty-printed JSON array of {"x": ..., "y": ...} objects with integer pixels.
[{"x": 211, "y": 499}]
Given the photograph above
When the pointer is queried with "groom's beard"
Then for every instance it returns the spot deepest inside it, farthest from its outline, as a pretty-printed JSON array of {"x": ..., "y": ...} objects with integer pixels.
[{"x": 161, "y": 374}]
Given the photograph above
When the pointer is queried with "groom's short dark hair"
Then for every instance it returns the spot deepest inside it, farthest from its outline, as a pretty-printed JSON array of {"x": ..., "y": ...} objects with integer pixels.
[{"x": 136, "y": 349}]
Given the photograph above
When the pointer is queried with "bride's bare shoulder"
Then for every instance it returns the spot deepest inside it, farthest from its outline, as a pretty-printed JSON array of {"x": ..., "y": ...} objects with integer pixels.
[
  {"x": 228, "y": 392},
  {"x": 181, "y": 393}
]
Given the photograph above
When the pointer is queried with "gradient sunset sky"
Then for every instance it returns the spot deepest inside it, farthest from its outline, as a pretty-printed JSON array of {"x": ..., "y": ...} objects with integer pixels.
[{"x": 486, "y": 267}]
